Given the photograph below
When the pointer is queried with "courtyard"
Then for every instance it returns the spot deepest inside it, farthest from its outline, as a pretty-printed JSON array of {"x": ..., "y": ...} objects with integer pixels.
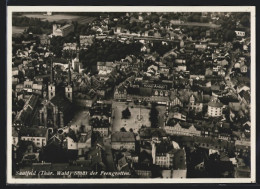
[{"x": 81, "y": 118}]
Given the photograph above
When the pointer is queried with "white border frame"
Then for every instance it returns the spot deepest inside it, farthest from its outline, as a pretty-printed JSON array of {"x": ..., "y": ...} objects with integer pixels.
[{"x": 11, "y": 9}]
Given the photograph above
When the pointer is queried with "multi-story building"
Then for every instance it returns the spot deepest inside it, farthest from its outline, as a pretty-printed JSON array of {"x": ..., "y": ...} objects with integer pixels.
[
  {"x": 63, "y": 31},
  {"x": 82, "y": 144},
  {"x": 121, "y": 140},
  {"x": 120, "y": 93},
  {"x": 162, "y": 154},
  {"x": 177, "y": 129},
  {"x": 196, "y": 105},
  {"x": 106, "y": 66},
  {"x": 101, "y": 125},
  {"x": 215, "y": 108},
  {"x": 38, "y": 136},
  {"x": 86, "y": 40}
]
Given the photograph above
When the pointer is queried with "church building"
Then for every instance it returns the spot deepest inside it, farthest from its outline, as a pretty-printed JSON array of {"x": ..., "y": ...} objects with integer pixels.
[{"x": 57, "y": 109}]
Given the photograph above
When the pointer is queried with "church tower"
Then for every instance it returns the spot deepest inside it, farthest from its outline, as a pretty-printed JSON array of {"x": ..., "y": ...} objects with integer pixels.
[
  {"x": 192, "y": 101},
  {"x": 75, "y": 62},
  {"x": 69, "y": 87},
  {"x": 51, "y": 86}
]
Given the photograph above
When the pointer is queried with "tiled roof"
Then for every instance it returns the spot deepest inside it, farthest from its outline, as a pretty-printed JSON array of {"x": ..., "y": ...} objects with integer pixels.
[
  {"x": 163, "y": 147},
  {"x": 62, "y": 102},
  {"x": 84, "y": 137},
  {"x": 215, "y": 104},
  {"x": 123, "y": 137},
  {"x": 152, "y": 132},
  {"x": 33, "y": 132},
  {"x": 180, "y": 159},
  {"x": 14, "y": 132}
]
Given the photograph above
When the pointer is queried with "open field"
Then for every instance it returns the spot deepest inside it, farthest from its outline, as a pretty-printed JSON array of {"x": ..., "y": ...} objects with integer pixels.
[
  {"x": 62, "y": 18},
  {"x": 52, "y": 18},
  {"x": 85, "y": 20},
  {"x": 18, "y": 30},
  {"x": 199, "y": 24},
  {"x": 132, "y": 122}
]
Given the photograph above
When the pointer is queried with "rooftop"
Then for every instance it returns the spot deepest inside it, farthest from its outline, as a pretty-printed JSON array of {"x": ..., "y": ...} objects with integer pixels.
[
  {"x": 215, "y": 104},
  {"x": 33, "y": 132},
  {"x": 123, "y": 137}
]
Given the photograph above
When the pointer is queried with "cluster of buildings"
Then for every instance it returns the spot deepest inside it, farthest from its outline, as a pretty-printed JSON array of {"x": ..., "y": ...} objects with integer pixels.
[{"x": 68, "y": 118}]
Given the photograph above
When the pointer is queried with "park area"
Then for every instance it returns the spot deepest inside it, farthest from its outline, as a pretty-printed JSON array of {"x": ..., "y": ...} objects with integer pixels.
[{"x": 133, "y": 122}]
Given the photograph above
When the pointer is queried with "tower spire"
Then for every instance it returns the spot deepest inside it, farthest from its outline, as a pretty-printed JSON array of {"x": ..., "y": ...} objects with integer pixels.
[
  {"x": 69, "y": 74},
  {"x": 77, "y": 53},
  {"x": 70, "y": 68}
]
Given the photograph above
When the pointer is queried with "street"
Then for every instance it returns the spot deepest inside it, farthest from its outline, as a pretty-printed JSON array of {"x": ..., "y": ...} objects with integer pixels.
[{"x": 109, "y": 155}]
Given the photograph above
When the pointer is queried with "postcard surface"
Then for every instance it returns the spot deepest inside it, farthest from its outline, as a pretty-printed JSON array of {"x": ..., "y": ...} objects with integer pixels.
[{"x": 131, "y": 94}]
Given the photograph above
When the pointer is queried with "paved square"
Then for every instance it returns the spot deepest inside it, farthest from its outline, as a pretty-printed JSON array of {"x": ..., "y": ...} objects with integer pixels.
[{"x": 133, "y": 122}]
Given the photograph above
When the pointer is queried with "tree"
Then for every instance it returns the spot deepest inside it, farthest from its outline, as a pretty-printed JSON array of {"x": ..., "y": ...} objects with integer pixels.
[
  {"x": 126, "y": 114},
  {"x": 20, "y": 104},
  {"x": 245, "y": 20},
  {"x": 229, "y": 35},
  {"x": 154, "y": 116},
  {"x": 96, "y": 136},
  {"x": 123, "y": 129}
]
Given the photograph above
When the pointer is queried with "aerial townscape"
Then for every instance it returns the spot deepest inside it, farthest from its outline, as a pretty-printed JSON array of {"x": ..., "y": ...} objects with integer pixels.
[{"x": 131, "y": 95}]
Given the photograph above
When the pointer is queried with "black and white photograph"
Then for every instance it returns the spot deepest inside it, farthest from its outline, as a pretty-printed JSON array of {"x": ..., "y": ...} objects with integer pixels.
[{"x": 131, "y": 94}]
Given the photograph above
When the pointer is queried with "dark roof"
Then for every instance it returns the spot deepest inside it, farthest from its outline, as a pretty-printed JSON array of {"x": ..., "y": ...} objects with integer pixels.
[
  {"x": 245, "y": 94},
  {"x": 146, "y": 145},
  {"x": 152, "y": 132},
  {"x": 123, "y": 137},
  {"x": 163, "y": 147},
  {"x": 215, "y": 104},
  {"x": 62, "y": 102},
  {"x": 33, "y": 132},
  {"x": 122, "y": 161},
  {"x": 14, "y": 132},
  {"x": 144, "y": 156},
  {"x": 84, "y": 137},
  {"x": 140, "y": 166}
]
